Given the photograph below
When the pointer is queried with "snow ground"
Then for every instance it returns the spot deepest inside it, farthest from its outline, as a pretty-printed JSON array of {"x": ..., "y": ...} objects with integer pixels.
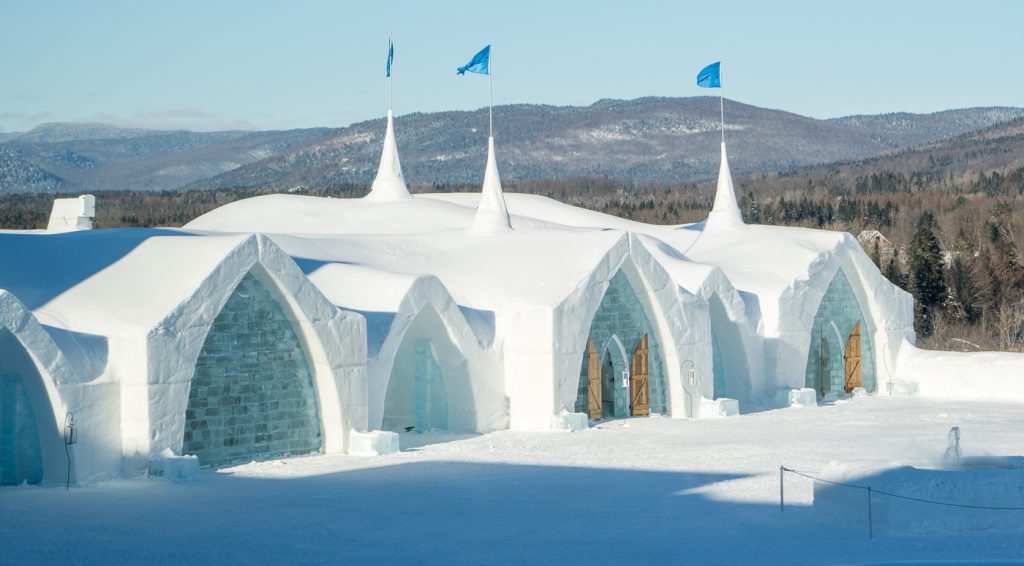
[{"x": 653, "y": 490}]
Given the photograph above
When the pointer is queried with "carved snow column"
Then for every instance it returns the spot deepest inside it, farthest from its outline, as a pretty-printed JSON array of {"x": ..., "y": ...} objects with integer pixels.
[
  {"x": 725, "y": 214},
  {"x": 491, "y": 215},
  {"x": 389, "y": 184}
]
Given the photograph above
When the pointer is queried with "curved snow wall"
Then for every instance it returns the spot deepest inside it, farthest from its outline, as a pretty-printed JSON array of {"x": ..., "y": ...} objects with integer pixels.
[
  {"x": 837, "y": 314},
  {"x": 620, "y": 322},
  {"x": 21, "y": 458},
  {"x": 730, "y": 369},
  {"x": 252, "y": 393}
]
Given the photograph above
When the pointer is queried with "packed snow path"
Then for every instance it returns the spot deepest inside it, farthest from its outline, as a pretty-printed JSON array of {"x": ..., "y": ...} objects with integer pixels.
[{"x": 651, "y": 490}]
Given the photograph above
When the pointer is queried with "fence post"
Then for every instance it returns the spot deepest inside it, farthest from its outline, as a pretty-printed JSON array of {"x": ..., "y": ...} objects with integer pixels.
[
  {"x": 782, "y": 492},
  {"x": 871, "y": 523}
]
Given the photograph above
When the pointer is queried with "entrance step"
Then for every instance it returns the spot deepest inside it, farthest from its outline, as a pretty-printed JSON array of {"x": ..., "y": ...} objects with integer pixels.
[
  {"x": 570, "y": 421},
  {"x": 373, "y": 443},
  {"x": 173, "y": 468},
  {"x": 721, "y": 407},
  {"x": 805, "y": 397}
]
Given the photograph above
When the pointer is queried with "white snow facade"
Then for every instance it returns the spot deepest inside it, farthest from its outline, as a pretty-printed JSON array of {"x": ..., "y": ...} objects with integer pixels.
[
  {"x": 147, "y": 340},
  {"x": 284, "y": 324}
]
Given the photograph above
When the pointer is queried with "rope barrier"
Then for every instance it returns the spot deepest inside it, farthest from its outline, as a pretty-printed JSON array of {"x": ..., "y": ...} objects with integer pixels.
[{"x": 908, "y": 498}]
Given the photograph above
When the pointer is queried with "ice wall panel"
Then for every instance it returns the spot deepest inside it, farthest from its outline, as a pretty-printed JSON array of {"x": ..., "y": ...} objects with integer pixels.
[{"x": 252, "y": 394}]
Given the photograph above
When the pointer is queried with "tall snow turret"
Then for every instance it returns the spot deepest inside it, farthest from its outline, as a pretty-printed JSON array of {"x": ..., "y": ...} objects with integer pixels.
[
  {"x": 389, "y": 184},
  {"x": 725, "y": 213},
  {"x": 491, "y": 214}
]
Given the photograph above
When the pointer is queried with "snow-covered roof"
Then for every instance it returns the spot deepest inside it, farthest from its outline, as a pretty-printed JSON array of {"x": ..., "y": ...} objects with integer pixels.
[
  {"x": 538, "y": 263},
  {"x": 108, "y": 281},
  {"x": 553, "y": 248}
]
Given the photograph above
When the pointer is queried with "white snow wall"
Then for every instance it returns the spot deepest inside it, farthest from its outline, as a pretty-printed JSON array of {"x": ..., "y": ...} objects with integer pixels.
[
  {"x": 54, "y": 389},
  {"x": 992, "y": 376},
  {"x": 736, "y": 323}
]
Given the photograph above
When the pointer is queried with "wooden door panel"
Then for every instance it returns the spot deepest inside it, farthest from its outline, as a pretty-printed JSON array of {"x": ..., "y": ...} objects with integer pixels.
[
  {"x": 639, "y": 381},
  {"x": 593, "y": 382},
  {"x": 851, "y": 360}
]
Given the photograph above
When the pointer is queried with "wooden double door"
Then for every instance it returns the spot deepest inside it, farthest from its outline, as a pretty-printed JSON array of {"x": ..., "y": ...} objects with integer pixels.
[{"x": 639, "y": 381}]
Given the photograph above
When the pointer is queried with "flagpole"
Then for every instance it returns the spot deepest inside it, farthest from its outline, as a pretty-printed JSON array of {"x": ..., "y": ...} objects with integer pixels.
[
  {"x": 721, "y": 99},
  {"x": 390, "y": 78},
  {"x": 490, "y": 97}
]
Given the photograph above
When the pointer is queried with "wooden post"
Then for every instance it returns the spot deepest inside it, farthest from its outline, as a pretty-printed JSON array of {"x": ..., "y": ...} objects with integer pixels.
[
  {"x": 782, "y": 490},
  {"x": 871, "y": 523}
]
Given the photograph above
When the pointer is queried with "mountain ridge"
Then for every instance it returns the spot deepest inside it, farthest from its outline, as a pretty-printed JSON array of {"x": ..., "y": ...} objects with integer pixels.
[{"x": 649, "y": 139}]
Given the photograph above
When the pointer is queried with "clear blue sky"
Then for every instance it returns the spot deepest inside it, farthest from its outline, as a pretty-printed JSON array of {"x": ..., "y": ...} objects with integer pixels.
[{"x": 250, "y": 64}]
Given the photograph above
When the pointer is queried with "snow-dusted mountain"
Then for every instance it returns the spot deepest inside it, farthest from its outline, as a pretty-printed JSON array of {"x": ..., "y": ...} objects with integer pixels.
[
  {"x": 646, "y": 140},
  {"x": 53, "y": 132},
  {"x": 98, "y": 157},
  {"x": 16, "y": 172},
  {"x": 903, "y": 129}
]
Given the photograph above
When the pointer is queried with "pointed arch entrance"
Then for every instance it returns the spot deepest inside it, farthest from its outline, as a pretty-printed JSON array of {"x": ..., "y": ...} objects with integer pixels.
[
  {"x": 428, "y": 388},
  {"x": 252, "y": 395},
  {"x": 840, "y": 357},
  {"x": 622, "y": 373},
  {"x": 21, "y": 450}
]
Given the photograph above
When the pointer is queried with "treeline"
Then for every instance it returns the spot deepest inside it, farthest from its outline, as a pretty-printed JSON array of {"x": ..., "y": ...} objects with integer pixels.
[
  {"x": 954, "y": 249},
  {"x": 127, "y": 209},
  {"x": 969, "y": 294}
]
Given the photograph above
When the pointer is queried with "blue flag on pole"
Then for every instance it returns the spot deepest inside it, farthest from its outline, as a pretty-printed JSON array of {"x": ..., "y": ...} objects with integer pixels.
[
  {"x": 710, "y": 76},
  {"x": 478, "y": 64},
  {"x": 391, "y": 56}
]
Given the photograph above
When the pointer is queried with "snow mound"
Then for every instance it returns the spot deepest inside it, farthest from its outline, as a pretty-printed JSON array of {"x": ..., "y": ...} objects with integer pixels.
[{"x": 922, "y": 500}]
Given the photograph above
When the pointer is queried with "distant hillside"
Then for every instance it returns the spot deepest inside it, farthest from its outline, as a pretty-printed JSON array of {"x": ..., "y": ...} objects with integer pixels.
[
  {"x": 989, "y": 160},
  {"x": 97, "y": 157},
  {"x": 73, "y": 131},
  {"x": 645, "y": 140},
  {"x": 16, "y": 171},
  {"x": 902, "y": 129}
]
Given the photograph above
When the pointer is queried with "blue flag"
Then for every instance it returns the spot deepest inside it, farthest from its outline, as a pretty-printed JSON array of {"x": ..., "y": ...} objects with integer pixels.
[
  {"x": 480, "y": 63},
  {"x": 710, "y": 76},
  {"x": 391, "y": 56}
]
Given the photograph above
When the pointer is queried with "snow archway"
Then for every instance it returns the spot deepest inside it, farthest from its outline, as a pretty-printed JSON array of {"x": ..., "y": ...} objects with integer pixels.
[
  {"x": 621, "y": 315},
  {"x": 32, "y": 361},
  {"x": 252, "y": 394},
  {"x": 24, "y": 414},
  {"x": 730, "y": 368},
  {"x": 839, "y": 314},
  {"x": 428, "y": 371}
]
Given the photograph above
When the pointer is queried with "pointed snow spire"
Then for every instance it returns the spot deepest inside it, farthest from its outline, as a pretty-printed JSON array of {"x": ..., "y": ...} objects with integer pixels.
[
  {"x": 491, "y": 215},
  {"x": 726, "y": 212},
  {"x": 389, "y": 184}
]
